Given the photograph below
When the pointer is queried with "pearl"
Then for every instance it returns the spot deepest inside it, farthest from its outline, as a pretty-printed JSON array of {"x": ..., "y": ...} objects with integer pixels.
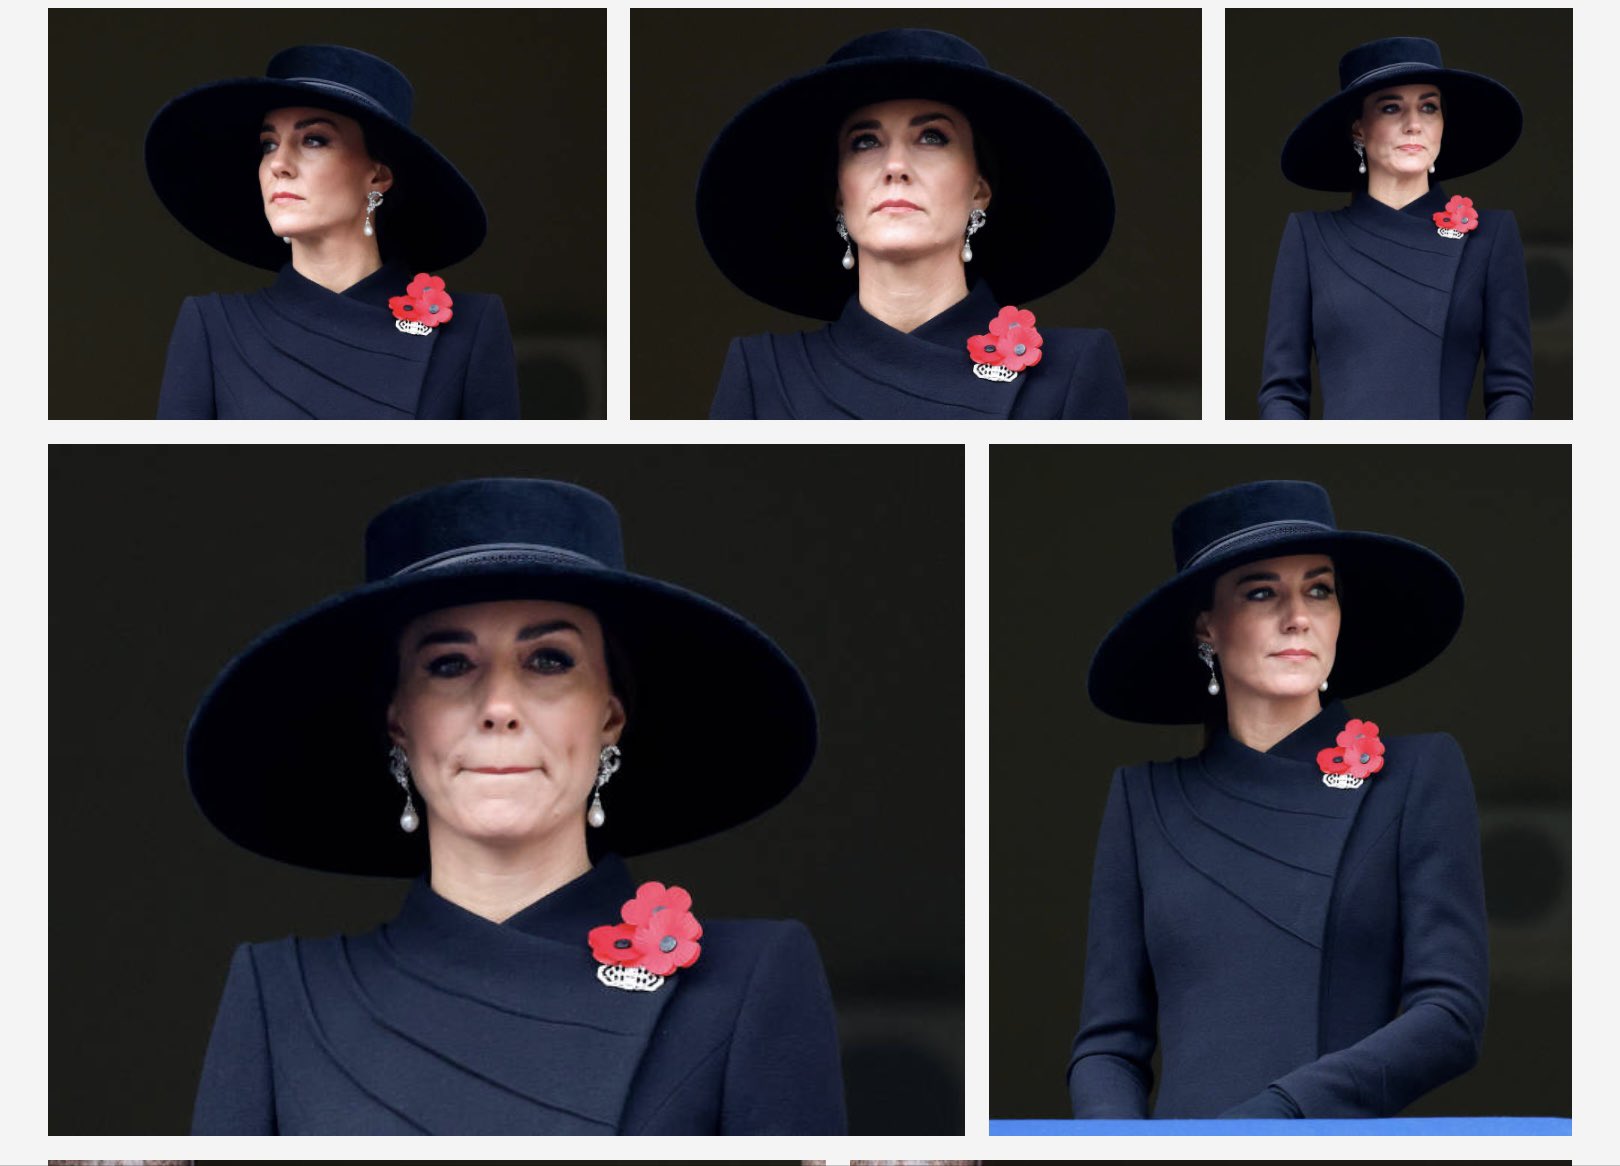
[
  {"x": 596, "y": 815},
  {"x": 849, "y": 259},
  {"x": 408, "y": 821},
  {"x": 967, "y": 252},
  {"x": 369, "y": 231},
  {"x": 1214, "y": 686},
  {"x": 1322, "y": 687}
]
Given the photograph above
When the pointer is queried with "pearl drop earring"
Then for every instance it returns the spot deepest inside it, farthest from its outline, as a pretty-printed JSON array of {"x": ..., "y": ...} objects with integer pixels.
[
  {"x": 606, "y": 766},
  {"x": 849, "y": 249},
  {"x": 1361, "y": 155},
  {"x": 400, "y": 766},
  {"x": 373, "y": 200},
  {"x": 1322, "y": 687},
  {"x": 976, "y": 219},
  {"x": 1206, "y": 653}
]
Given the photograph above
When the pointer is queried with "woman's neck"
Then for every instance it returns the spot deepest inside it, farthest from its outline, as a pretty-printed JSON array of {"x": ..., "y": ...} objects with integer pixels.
[
  {"x": 909, "y": 293},
  {"x": 1397, "y": 190},
  {"x": 1260, "y": 722},
  {"x": 336, "y": 267},
  {"x": 498, "y": 882}
]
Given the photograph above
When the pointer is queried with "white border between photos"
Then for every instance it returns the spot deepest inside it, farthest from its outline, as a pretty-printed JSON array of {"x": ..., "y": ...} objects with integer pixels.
[{"x": 1596, "y": 662}]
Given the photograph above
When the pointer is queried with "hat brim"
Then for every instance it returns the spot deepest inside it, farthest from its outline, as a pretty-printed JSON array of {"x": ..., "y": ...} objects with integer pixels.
[
  {"x": 287, "y": 752},
  {"x": 765, "y": 195},
  {"x": 200, "y": 158},
  {"x": 1401, "y": 605},
  {"x": 1483, "y": 121}
]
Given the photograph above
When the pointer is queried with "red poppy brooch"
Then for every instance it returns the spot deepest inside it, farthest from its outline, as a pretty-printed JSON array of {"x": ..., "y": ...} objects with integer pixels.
[
  {"x": 1011, "y": 345},
  {"x": 424, "y": 306},
  {"x": 659, "y": 934},
  {"x": 1457, "y": 219},
  {"x": 1356, "y": 756}
]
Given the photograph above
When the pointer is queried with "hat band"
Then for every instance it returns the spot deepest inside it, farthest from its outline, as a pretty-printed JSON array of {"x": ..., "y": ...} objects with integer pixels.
[
  {"x": 348, "y": 91},
  {"x": 1385, "y": 70},
  {"x": 499, "y": 553},
  {"x": 1262, "y": 533}
]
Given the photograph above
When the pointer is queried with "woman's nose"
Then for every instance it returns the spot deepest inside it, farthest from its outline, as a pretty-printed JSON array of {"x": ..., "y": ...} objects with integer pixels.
[
  {"x": 896, "y": 168},
  {"x": 500, "y": 704}
]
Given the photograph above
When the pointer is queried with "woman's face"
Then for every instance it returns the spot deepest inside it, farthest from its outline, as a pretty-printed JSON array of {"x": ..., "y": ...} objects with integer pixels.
[
  {"x": 1400, "y": 129},
  {"x": 503, "y": 710},
  {"x": 1274, "y": 626},
  {"x": 314, "y": 172},
  {"x": 907, "y": 178}
]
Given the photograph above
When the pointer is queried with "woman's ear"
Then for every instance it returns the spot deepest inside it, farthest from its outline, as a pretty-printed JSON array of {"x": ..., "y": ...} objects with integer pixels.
[
  {"x": 1356, "y": 134},
  {"x": 981, "y": 194},
  {"x": 1201, "y": 629},
  {"x": 382, "y": 178},
  {"x": 613, "y": 723},
  {"x": 396, "y": 731}
]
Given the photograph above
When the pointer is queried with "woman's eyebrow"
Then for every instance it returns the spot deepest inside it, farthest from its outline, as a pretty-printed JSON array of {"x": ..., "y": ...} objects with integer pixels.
[
  {"x": 446, "y": 636},
  {"x": 535, "y": 631},
  {"x": 267, "y": 128}
]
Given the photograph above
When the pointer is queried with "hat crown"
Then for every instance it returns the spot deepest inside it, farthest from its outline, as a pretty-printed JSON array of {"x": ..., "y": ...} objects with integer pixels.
[
  {"x": 351, "y": 73},
  {"x": 1376, "y": 55},
  {"x": 1253, "y": 506},
  {"x": 493, "y": 512},
  {"x": 909, "y": 43}
]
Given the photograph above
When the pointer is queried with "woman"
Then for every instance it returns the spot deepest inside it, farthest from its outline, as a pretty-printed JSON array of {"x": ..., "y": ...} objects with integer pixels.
[
  {"x": 355, "y": 212},
  {"x": 856, "y": 192},
  {"x": 458, "y": 718},
  {"x": 1400, "y": 293},
  {"x": 1295, "y": 916}
]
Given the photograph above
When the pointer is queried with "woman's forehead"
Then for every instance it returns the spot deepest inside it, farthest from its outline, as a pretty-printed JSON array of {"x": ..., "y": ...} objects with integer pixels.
[
  {"x": 508, "y": 617},
  {"x": 904, "y": 109}
]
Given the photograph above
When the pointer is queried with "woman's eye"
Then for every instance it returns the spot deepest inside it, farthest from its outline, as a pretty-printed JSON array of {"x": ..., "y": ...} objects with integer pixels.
[
  {"x": 449, "y": 667},
  {"x": 1322, "y": 591},
  {"x": 934, "y": 137},
  {"x": 863, "y": 141},
  {"x": 1392, "y": 109},
  {"x": 315, "y": 141},
  {"x": 551, "y": 661},
  {"x": 1430, "y": 107},
  {"x": 1260, "y": 593},
  {"x": 266, "y": 145}
]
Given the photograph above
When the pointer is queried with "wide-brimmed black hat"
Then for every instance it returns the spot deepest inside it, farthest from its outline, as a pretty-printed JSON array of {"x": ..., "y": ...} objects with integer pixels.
[
  {"x": 201, "y": 152},
  {"x": 288, "y": 753},
  {"x": 1482, "y": 118},
  {"x": 1401, "y": 603},
  {"x": 765, "y": 194}
]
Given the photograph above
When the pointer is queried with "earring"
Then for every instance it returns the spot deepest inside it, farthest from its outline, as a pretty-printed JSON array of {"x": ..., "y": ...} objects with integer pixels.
[
  {"x": 843, "y": 233},
  {"x": 1206, "y": 653},
  {"x": 976, "y": 219},
  {"x": 373, "y": 200},
  {"x": 287, "y": 239},
  {"x": 1361, "y": 153},
  {"x": 400, "y": 766},
  {"x": 606, "y": 766},
  {"x": 1322, "y": 687},
  {"x": 1431, "y": 167}
]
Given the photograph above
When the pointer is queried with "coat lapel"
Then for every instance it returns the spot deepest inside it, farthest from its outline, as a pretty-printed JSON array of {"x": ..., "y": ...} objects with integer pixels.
[{"x": 1397, "y": 255}]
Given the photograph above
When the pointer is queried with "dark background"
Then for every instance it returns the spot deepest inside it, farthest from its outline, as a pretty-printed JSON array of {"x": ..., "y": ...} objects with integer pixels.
[
  {"x": 692, "y": 70},
  {"x": 850, "y": 558},
  {"x": 1063, "y": 571},
  {"x": 1283, "y": 62},
  {"x": 515, "y": 99}
]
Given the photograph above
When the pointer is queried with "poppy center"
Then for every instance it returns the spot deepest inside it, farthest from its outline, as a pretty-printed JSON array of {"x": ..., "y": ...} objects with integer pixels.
[
  {"x": 1018, "y": 350},
  {"x": 666, "y": 944},
  {"x": 1365, "y": 758},
  {"x": 434, "y": 309},
  {"x": 621, "y": 944}
]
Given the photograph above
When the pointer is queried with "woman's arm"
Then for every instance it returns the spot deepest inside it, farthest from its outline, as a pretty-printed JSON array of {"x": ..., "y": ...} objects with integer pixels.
[
  {"x": 235, "y": 1095},
  {"x": 1285, "y": 374},
  {"x": 188, "y": 375},
  {"x": 491, "y": 390},
  {"x": 1098, "y": 388},
  {"x": 782, "y": 1072},
  {"x": 1111, "y": 1070},
  {"x": 1509, "y": 368},
  {"x": 734, "y": 397},
  {"x": 1444, "y": 970}
]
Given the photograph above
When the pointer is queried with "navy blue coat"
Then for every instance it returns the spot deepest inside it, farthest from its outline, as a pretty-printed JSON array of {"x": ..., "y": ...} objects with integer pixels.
[
  {"x": 1294, "y": 950},
  {"x": 858, "y": 366},
  {"x": 443, "y": 1022},
  {"x": 1397, "y": 315},
  {"x": 297, "y": 350}
]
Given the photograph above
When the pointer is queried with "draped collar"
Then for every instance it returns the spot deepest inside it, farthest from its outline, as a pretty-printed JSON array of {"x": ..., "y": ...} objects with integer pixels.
[
  {"x": 930, "y": 363},
  {"x": 1285, "y": 777}
]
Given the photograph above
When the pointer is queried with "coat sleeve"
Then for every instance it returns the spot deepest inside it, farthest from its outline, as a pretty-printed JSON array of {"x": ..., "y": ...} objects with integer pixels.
[
  {"x": 1111, "y": 1068},
  {"x": 491, "y": 388},
  {"x": 734, "y": 398},
  {"x": 1509, "y": 369},
  {"x": 782, "y": 1072},
  {"x": 1098, "y": 389},
  {"x": 235, "y": 1095},
  {"x": 188, "y": 374},
  {"x": 1285, "y": 375},
  {"x": 1444, "y": 968}
]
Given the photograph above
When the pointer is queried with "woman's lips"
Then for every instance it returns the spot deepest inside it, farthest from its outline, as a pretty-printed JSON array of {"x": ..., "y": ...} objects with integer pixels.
[
  {"x": 1296, "y": 654},
  {"x": 504, "y": 769},
  {"x": 284, "y": 197},
  {"x": 1411, "y": 149},
  {"x": 896, "y": 204}
]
